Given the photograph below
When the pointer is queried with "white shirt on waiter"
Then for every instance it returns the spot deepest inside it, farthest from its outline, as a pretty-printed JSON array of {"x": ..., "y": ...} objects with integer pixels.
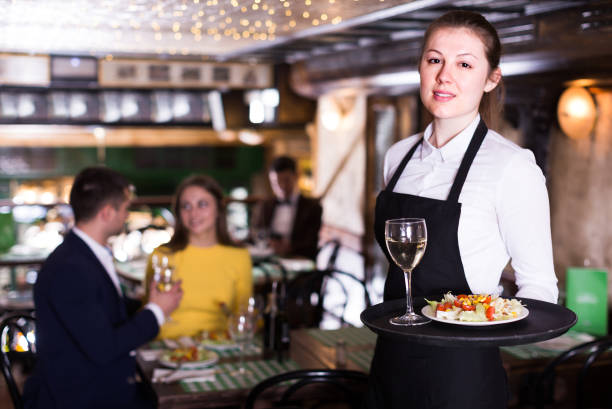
[
  {"x": 504, "y": 207},
  {"x": 284, "y": 214}
]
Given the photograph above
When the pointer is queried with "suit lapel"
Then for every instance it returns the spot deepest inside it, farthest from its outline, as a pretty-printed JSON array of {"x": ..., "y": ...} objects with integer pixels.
[
  {"x": 98, "y": 270},
  {"x": 299, "y": 210},
  {"x": 269, "y": 212}
]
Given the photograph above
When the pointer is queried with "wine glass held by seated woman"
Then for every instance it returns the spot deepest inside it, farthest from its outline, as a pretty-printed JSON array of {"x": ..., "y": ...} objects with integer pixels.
[
  {"x": 485, "y": 202},
  {"x": 216, "y": 274}
]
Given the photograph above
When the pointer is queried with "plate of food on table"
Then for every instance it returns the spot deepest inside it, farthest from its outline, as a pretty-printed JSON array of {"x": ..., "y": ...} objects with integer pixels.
[
  {"x": 188, "y": 357},
  {"x": 475, "y": 310},
  {"x": 216, "y": 340}
]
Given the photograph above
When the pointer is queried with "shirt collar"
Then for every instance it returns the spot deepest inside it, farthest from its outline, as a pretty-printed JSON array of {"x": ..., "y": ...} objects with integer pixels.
[
  {"x": 101, "y": 252},
  {"x": 456, "y": 147}
]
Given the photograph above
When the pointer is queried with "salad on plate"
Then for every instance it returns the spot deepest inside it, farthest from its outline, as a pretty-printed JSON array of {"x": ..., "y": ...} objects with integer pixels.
[
  {"x": 216, "y": 340},
  {"x": 188, "y": 356},
  {"x": 476, "y": 308}
]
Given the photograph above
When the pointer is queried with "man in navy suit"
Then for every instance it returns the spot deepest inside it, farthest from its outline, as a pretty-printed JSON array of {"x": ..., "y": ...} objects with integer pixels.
[
  {"x": 292, "y": 219},
  {"x": 86, "y": 329}
]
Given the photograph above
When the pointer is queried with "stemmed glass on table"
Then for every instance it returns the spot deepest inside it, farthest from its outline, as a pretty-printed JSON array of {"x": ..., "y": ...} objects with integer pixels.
[
  {"x": 241, "y": 327},
  {"x": 406, "y": 241}
]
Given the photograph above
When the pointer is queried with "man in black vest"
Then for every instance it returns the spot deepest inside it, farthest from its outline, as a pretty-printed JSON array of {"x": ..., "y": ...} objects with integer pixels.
[{"x": 292, "y": 219}]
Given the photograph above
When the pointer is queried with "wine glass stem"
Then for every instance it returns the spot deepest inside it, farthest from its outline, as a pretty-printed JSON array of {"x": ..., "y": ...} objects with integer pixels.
[
  {"x": 408, "y": 280},
  {"x": 241, "y": 358}
]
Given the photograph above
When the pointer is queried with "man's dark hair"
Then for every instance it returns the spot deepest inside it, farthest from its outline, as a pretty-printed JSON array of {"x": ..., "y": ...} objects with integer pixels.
[
  {"x": 94, "y": 188},
  {"x": 283, "y": 163}
]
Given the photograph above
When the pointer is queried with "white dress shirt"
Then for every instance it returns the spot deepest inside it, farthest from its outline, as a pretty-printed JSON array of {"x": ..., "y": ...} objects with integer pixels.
[
  {"x": 104, "y": 255},
  {"x": 504, "y": 207},
  {"x": 282, "y": 219}
]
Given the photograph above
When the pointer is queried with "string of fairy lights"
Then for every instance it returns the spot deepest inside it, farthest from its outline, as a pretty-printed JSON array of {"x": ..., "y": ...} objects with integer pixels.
[{"x": 187, "y": 27}]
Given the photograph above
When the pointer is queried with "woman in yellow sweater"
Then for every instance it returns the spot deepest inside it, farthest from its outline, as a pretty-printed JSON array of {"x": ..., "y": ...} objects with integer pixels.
[{"x": 215, "y": 273}]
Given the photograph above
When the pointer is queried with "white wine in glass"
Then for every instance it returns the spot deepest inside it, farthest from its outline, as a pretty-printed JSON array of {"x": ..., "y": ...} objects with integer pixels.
[
  {"x": 163, "y": 272},
  {"x": 406, "y": 241}
]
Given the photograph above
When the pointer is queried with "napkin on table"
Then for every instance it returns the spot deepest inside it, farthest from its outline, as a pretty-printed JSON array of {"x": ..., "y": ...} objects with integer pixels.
[
  {"x": 186, "y": 375},
  {"x": 150, "y": 354}
]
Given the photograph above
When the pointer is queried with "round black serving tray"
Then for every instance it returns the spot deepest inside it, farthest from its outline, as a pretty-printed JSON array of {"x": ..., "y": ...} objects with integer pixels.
[{"x": 545, "y": 321}]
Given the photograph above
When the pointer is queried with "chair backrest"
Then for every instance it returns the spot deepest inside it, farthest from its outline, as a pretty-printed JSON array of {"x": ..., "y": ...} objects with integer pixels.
[
  {"x": 340, "y": 288},
  {"x": 545, "y": 382},
  {"x": 344, "y": 291},
  {"x": 316, "y": 385},
  {"x": 304, "y": 301},
  {"x": 17, "y": 344}
]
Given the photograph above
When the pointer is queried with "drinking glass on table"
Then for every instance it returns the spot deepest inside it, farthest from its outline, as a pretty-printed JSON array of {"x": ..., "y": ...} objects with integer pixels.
[
  {"x": 262, "y": 239},
  {"x": 163, "y": 271},
  {"x": 406, "y": 241},
  {"x": 241, "y": 327}
]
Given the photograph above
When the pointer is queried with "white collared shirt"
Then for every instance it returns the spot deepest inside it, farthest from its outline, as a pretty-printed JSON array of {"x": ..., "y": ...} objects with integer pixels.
[
  {"x": 104, "y": 255},
  {"x": 282, "y": 219},
  {"x": 504, "y": 207}
]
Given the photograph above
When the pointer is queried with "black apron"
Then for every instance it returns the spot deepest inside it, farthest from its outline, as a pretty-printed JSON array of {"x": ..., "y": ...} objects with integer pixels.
[{"x": 405, "y": 374}]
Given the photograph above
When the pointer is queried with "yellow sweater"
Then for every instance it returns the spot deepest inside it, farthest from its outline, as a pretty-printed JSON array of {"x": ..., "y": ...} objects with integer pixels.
[{"x": 210, "y": 276}]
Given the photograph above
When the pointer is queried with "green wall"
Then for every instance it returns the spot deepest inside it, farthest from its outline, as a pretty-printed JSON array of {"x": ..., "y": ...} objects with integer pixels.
[{"x": 154, "y": 171}]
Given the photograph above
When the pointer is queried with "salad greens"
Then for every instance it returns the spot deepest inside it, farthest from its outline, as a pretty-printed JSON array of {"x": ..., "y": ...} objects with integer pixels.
[{"x": 475, "y": 307}]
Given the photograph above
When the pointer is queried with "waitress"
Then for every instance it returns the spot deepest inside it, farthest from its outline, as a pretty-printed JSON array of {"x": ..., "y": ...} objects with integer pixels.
[{"x": 485, "y": 202}]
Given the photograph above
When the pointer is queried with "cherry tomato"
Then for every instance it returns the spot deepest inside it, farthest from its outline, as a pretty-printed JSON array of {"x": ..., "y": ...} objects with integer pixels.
[
  {"x": 458, "y": 303},
  {"x": 462, "y": 296},
  {"x": 468, "y": 307},
  {"x": 440, "y": 307},
  {"x": 489, "y": 313},
  {"x": 487, "y": 300}
]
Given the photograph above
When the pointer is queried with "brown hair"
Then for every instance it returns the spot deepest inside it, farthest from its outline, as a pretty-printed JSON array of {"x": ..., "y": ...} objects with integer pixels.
[
  {"x": 95, "y": 187},
  {"x": 180, "y": 238},
  {"x": 491, "y": 103}
]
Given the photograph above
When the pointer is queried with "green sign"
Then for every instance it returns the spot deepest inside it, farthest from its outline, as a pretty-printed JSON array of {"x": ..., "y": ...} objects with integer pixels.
[{"x": 587, "y": 296}]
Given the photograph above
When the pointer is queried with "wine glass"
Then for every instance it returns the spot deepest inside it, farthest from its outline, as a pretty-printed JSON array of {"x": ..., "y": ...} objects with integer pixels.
[
  {"x": 163, "y": 271},
  {"x": 406, "y": 241},
  {"x": 241, "y": 327},
  {"x": 262, "y": 239}
]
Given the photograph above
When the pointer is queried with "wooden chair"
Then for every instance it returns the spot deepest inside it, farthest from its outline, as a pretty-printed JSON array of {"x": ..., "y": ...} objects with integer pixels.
[
  {"x": 17, "y": 345},
  {"x": 310, "y": 388},
  {"x": 590, "y": 351}
]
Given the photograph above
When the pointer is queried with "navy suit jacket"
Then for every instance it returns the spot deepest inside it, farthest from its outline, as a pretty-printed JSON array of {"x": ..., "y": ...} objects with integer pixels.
[
  {"x": 304, "y": 237},
  {"x": 84, "y": 335}
]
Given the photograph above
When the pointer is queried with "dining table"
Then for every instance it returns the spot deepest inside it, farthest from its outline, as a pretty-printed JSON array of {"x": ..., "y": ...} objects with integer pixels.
[
  {"x": 349, "y": 348},
  {"x": 223, "y": 387}
]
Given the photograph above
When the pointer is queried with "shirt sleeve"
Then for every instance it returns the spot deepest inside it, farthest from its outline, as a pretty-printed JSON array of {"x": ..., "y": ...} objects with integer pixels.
[
  {"x": 157, "y": 311},
  {"x": 524, "y": 222}
]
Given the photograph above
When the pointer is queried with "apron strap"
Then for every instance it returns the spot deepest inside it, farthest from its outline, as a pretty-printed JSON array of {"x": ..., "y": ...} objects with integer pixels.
[
  {"x": 466, "y": 162},
  {"x": 464, "y": 167},
  {"x": 400, "y": 169}
]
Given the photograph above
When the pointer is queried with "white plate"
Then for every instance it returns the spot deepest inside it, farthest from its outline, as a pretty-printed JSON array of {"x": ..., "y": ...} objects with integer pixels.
[
  {"x": 212, "y": 359},
  {"x": 222, "y": 346},
  {"x": 427, "y": 311}
]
